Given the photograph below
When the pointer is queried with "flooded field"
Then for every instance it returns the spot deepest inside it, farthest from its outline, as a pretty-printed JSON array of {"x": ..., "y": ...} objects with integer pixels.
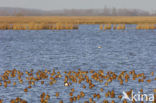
[{"x": 84, "y": 52}]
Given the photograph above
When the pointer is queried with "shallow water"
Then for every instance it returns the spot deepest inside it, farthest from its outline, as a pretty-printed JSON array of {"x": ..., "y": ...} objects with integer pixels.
[{"x": 74, "y": 49}]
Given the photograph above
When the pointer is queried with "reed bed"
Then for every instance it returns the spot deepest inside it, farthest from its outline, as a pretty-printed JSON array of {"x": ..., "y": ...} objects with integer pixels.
[
  {"x": 72, "y": 22},
  {"x": 146, "y": 27},
  {"x": 112, "y": 26},
  {"x": 33, "y": 26},
  {"x": 123, "y": 26},
  {"x": 107, "y": 26}
]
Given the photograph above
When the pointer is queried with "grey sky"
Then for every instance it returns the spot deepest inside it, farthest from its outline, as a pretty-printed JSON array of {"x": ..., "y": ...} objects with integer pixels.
[{"x": 79, "y": 4}]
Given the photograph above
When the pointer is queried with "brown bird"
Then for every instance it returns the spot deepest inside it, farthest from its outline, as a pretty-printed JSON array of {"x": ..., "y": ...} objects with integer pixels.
[
  {"x": 101, "y": 89},
  {"x": 25, "y": 90},
  {"x": 82, "y": 94},
  {"x": 152, "y": 73},
  {"x": 90, "y": 100},
  {"x": 57, "y": 94},
  {"x": 47, "y": 97},
  {"x": 113, "y": 101},
  {"x": 14, "y": 83},
  {"x": 42, "y": 82},
  {"x": 149, "y": 81},
  {"x": 72, "y": 90},
  {"x": 141, "y": 90},
  {"x": 84, "y": 86},
  {"x": 112, "y": 94},
  {"x": 124, "y": 101},
  {"x": 5, "y": 84},
  {"x": 78, "y": 97},
  {"x": 120, "y": 96},
  {"x": 71, "y": 94},
  {"x": 105, "y": 101},
  {"x": 61, "y": 101},
  {"x": 98, "y": 96},
  {"x": 1, "y": 101},
  {"x": 71, "y": 99}
]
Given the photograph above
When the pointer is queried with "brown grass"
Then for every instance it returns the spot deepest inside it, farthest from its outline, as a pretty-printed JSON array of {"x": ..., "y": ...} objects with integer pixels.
[{"x": 78, "y": 20}]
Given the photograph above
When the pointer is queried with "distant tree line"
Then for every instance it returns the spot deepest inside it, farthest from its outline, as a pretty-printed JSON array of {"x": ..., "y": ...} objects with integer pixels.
[{"x": 6, "y": 11}]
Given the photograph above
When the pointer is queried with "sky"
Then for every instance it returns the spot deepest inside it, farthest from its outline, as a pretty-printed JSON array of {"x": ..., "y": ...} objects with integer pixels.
[{"x": 148, "y": 5}]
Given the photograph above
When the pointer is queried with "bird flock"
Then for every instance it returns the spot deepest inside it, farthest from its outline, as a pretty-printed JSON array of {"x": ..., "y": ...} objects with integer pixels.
[{"x": 88, "y": 79}]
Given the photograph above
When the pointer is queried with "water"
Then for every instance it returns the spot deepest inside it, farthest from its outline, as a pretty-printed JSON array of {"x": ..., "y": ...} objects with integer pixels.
[{"x": 74, "y": 49}]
